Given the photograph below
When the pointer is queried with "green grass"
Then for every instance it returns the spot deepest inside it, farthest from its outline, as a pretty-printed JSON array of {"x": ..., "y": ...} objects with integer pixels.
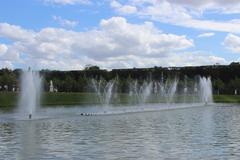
[
  {"x": 68, "y": 98},
  {"x": 226, "y": 98},
  {"x": 9, "y": 99}
]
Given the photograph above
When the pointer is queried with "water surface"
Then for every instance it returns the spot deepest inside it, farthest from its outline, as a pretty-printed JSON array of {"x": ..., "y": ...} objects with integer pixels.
[{"x": 205, "y": 132}]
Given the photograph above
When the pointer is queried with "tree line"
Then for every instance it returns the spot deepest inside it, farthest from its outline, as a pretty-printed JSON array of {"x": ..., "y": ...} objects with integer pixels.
[{"x": 225, "y": 78}]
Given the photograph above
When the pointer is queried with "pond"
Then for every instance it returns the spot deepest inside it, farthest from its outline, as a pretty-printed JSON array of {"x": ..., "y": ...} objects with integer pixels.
[{"x": 172, "y": 132}]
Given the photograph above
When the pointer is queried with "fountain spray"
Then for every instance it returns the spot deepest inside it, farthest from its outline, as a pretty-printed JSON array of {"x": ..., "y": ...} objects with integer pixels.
[{"x": 30, "y": 92}]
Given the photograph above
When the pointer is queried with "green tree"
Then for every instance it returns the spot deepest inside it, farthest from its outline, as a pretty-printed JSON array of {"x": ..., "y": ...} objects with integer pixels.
[
  {"x": 91, "y": 68},
  {"x": 218, "y": 85},
  {"x": 234, "y": 85}
]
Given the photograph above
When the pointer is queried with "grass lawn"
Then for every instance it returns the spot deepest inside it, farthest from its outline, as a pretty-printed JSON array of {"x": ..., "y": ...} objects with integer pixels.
[
  {"x": 226, "y": 98},
  {"x": 9, "y": 99}
]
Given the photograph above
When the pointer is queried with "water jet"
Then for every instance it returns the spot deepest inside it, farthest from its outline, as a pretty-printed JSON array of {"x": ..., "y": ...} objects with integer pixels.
[
  {"x": 154, "y": 91},
  {"x": 30, "y": 93}
]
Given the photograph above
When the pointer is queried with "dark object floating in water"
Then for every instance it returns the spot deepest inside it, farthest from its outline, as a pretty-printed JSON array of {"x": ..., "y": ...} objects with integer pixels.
[
  {"x": 87, "y": 114},
  {"x": 30, "y": 116}
]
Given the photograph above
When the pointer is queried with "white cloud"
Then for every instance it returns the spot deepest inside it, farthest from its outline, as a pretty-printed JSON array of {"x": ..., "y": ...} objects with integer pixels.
[
  {"x": 5, "y": 55},
  {"x": 15, "y": 33},
  {"x": 116, "y": 43},
  {"x": 67, "y": 2},
  {"x": 3, "y": 49},
  {"x": 65, "y": 22},
  {"x": 123, "y": 9},
  {"x": 198, "y": 7},
  {"x": 6, "y": 64},
  {"x": 174, "y": 59},
  {"x": 208, "y": 34},
  {"x": 222, "y": 6},
  {"x": 8, "y": 53},
  {"x": 232, "y": 43},
  {"x": 187, "y": 13},
  {"x": 197, "y": 59}
]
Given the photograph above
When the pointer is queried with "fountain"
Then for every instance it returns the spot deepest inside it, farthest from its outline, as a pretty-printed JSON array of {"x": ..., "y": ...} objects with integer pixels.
[
  {"x": 205, "y": 92},
  {"x": 140, "y": 93},
  {"x": 168, "y": 92},
  {"x": 146, "y": 90},
  {"x": 104, "y": 90},
  {"x": 30, "y": 93},
  {"x": 133, "y": 92},
  {"x": 171, "y": 91},
  {"x": 153, "y": 91}
]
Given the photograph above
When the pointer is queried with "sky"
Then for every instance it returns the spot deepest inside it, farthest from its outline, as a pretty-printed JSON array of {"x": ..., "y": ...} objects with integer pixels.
[{"x": 72, "y": 34}]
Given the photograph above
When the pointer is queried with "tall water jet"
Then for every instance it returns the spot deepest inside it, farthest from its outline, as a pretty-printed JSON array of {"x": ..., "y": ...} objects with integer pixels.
[
  {"x": 205, "y": 92},
  {"x": 152, "y": 91},
  {"x": 195, "y": 90},
  {"x": 171, "y": 91},
  {"x": 140, "y": 93},
  {"x": 146, "y": 91},
  {"x": 108, "y": 92},
  {"x": 185, "y": 90},
  {"x": 30, "y": 93},
  {"x": 104, "y": 90},
  {"x": 133, "y": 94}
]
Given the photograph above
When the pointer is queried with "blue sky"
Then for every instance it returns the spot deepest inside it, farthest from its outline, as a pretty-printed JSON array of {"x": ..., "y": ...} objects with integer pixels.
[{"x": 70, "y": 34}]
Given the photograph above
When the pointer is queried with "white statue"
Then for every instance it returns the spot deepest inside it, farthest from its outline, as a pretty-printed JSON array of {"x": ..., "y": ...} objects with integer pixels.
[{"x": 51, "y": 87}]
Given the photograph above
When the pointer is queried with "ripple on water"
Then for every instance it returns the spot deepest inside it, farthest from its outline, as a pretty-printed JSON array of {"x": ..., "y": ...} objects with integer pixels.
[{"x": 189, "y": 133}]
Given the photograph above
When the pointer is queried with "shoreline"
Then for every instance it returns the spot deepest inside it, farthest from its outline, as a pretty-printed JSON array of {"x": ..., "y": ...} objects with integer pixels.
[{"x": 10, "y": 99}]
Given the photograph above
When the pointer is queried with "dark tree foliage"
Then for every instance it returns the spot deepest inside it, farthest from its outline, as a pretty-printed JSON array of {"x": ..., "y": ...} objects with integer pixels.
[{"x": 225, "y": 78}]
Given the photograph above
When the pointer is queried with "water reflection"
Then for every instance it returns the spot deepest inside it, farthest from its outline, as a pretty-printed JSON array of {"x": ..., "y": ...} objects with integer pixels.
[
  {"x": 193, "y": 133},
  {"x": 29, "y": 141}
]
